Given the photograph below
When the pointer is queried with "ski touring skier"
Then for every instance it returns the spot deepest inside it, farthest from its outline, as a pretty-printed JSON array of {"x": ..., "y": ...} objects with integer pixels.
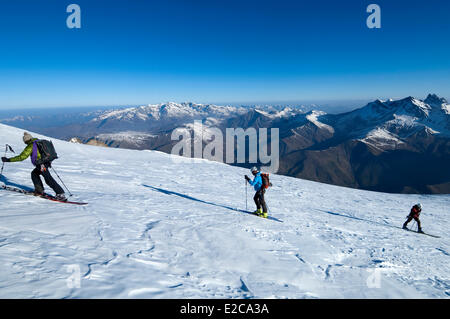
[
  {"x": 259, "y": 186},
  {"x": 41, "y": 167},
  {"x": 414, "y": 214}
]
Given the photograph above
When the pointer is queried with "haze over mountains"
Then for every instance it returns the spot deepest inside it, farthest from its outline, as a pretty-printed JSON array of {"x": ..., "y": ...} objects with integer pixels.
[{"x": 400, "y": 146}]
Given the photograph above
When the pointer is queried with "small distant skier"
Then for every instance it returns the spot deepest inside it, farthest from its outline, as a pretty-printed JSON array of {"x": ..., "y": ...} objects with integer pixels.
[
  {"x": 414, "y": 214},
  {"x": 40, "y": 169},
  {"x": 257, "y": 183}
]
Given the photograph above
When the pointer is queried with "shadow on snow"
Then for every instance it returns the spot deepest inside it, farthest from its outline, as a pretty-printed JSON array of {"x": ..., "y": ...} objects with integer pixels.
[
  {"x": 167, "y": 192},
  {"x": 8, "y": 183}
]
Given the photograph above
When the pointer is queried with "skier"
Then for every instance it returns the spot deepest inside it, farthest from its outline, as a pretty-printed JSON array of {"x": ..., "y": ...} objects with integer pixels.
[
  {"x": 414, "y": 214},
  {"x": 32, "y": 150},
  {"x": 257, "y": 184}
]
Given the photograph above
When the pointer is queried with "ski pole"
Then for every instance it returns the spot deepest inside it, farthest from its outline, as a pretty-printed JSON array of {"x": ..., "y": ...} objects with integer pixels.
[
  {"x": 3, "y": 164},
  {"x": 246, "y": 208},
  {"x": 62, "y": 181}
]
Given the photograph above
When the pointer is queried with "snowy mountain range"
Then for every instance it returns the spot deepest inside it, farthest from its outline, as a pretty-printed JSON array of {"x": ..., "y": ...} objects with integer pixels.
[
  {"x": 154, "y": 118},
  {"x": 163, "y": 226},
  {"x": 399, "y": 146},
  {"x": 393, "y": 146}
]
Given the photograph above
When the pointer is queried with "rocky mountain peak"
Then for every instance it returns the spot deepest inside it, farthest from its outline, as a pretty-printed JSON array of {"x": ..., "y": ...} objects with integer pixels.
[{"x": 433, "y": 99}]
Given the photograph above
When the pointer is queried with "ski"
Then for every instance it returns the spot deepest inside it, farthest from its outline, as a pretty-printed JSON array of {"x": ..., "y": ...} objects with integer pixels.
[
  {"x": 415, "y": 231},
  {"x": 268, "y": 217},
  {"x": 17, "y": 190},
  {"x": 54, "y": 199},
  {"x": 44, "y": 196}
]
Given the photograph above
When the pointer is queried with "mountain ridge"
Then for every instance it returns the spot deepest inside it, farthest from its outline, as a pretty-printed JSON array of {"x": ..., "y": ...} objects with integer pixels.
[{"x": 313, "y": 144}]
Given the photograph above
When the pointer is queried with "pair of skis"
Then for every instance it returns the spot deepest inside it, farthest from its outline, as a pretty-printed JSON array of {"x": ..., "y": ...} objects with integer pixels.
[
  {"x": 44, "y": 196},
  {"x": 415, "y": 231},
  {"x": 254, "y": 214}
]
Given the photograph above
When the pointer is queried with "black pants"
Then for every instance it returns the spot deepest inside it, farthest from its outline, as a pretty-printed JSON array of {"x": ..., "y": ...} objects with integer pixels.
[
  {"x": 259, "y": 200},
  {"x": 49, "y": 180},
  {"x": 410, "y": 218}
]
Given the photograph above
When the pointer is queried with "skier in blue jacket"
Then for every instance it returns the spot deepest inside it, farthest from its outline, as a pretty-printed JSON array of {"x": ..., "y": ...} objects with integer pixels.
[{"x": 257, "y": 183}]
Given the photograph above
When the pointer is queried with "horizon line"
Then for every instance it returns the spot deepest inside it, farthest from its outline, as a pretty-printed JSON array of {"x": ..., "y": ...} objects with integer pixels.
[{"x": 305, "y": 102}]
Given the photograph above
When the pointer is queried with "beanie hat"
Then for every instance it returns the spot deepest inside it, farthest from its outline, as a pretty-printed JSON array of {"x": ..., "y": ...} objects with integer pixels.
[
  {"x": 27, "y": 137},
  {"x": 254, "y": 169}
]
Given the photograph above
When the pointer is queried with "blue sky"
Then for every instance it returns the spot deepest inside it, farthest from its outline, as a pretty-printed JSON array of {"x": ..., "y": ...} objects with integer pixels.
[{"x": 139, "y": 52}]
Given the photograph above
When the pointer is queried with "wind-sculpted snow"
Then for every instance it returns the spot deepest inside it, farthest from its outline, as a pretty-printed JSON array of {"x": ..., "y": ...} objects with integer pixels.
[{"x": 156, "y": 227}]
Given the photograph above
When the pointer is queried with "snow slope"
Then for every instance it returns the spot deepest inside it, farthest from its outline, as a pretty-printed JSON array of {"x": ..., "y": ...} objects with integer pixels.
[{"x": 166, "y": 227}]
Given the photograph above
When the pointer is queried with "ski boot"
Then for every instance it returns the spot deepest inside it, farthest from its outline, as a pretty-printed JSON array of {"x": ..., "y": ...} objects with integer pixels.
[
  {"x": 258, "y": 212},
  {"x": 61, "y": 197},
  {"x": 420, "y": 231},
  {"x": 405, "y": 228}
]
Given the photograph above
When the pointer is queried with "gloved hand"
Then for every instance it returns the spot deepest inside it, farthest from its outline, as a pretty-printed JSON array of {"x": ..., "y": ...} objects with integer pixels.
[
  {"x": 247, "y": 178},
  {"x": 4, "y": 159}
]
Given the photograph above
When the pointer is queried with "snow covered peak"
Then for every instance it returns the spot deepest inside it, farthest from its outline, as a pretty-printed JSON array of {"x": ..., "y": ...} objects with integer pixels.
[
  {"x": 314, "y": 117},
  {"x": 433, "y": 99},
  {"x": 265, "y": 113},
  {"x": 75, "y": 140},
  {"x": 277, "y": 112},
  {"x": 413, "y": 106},
  {"x": 170, "y": 110},
  {"x": 407, "y": 106},
  {"x": 394, "y": 119},
  {"x": 315, "y": 113}
]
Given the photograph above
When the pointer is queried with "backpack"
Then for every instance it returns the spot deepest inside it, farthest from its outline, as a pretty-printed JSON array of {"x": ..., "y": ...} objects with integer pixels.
[
  {"x": 265, "y": 180},
  {"x": 47, "y": 151}
]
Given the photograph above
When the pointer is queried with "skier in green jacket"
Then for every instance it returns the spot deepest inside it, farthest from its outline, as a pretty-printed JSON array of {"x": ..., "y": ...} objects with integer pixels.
[{"x": 31, "y": 150}]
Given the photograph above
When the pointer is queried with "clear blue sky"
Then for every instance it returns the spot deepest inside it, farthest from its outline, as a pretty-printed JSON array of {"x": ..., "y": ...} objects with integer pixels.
[{"x": 132, "y": 52}]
